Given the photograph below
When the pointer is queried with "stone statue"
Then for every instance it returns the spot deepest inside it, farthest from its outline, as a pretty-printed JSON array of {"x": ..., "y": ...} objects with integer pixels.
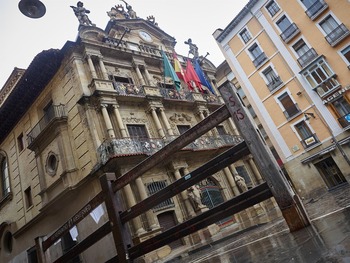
[
  {"x": 131, "y": 12},
  {"x": 81, "y": 13},
  {"x": 152, "y": 20},
  {"x": 193, "y": 48},
  {"x": 241, "y": 183},
  {"x": 194, "y": 196}
]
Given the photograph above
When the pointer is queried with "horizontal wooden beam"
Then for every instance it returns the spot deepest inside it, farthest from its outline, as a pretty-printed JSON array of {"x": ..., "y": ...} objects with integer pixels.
[
  {"x": 216, "y": 164},
  {"x": 228, "y": 208}
]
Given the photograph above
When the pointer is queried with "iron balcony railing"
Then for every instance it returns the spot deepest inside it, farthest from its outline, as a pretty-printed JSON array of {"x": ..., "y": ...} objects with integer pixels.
[
  {"x": 173, "y": 94},
  {"x": 54, "y": 112},
  {"x": 136, "y": 146},
  {"x": 259, "y": 59},
  {"x": 307, "y": 57},
  {"x": 292, "y": 111},
  {"x": 274, "y": 83},
  {"x": 316, "y": 9},
  {"x": 128, "y": 89},
  {"x": 289, "y": 32},
  {"x": 345, "y": 120},
  {"x": 310, "y": 141},
  {"x": 337, "y": 35}
]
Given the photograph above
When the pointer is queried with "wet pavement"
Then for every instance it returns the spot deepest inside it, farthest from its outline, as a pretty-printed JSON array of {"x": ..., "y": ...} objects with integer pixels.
[{"x": 327, "y": 240}]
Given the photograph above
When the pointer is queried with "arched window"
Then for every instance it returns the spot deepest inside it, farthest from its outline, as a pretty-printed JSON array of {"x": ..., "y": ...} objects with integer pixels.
[{"x": 4, "y": 176}]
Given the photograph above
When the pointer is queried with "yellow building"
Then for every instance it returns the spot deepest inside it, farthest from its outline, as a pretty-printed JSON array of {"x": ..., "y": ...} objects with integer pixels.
[
  {"x": 102, "y": 104},
  {"x": 292, "y": 60}
]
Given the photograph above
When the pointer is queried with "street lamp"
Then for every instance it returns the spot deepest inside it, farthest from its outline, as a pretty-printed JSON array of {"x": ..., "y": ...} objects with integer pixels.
[{"x": 32, "y": 8}]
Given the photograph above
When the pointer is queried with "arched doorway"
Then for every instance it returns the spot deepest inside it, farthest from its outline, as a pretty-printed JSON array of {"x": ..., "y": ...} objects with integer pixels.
[{"x": 211, "y": 196}]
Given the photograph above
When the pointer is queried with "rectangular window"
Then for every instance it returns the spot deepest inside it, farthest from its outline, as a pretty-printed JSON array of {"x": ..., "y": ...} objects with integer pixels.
[
  {"x": 305, "y": 54},
  {"x": 245, "y": 35},
  {"x": 251, "y": 111},
  {"x": 183, "y": 128},
  {"x": 153, "y": 188},
  {"x": 346, "y": 53},
  {"x": 20, "y": 142},
  {"x": 290, "y": 108},
  {"x": 28, "y": 197},
  {"x": 221, "y": 130},
  {"x": 314, "y": 7},
  {"x": 343, "y": 110},
  {"x": 321, "y": 77},
  {"x": 137, "y": 131},
  {"x": 287, "y": 28},
  {"x": 258, "y": 56},
  {"x": 273, "y": 81},
  {"x": 4, "y": 173},
  {"x": 32, "y": 257},
  {"x": 307, "y": 137},
  {"x": 334, "y": 31},
  {"x": 272, "y": 8}
]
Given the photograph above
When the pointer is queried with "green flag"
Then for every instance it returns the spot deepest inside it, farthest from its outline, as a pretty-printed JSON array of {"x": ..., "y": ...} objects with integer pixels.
[{"x": 169, "y": 71}]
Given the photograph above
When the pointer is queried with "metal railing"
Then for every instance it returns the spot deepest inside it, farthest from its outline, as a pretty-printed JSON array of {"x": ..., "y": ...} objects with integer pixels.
[
  {"x": 54, "y": 112},
  {"x": 259, "y": 59},
  {"x": 153, "y": 188},
  {"x": 337, "y": 35},
  {"x": 316, "y": 8},
  {"x": 307, "y": 57},
  {"x": 274, "y": 83},
  {"x": 136, "y": 146},
  {"x": 128, "y": 89},
  {"x": 290, "y": 32}
]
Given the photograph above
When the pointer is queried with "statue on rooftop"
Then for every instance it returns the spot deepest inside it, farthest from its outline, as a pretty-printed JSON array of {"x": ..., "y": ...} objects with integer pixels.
[
  {"x": 131, "y": 12},
  {"x": 81, "y": 13},
  {"x": 152, "y": 20},
  {"x": 193, "y": 48}
]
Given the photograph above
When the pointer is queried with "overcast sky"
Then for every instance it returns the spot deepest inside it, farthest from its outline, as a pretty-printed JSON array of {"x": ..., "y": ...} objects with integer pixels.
[{"x": 22, "y": 38}]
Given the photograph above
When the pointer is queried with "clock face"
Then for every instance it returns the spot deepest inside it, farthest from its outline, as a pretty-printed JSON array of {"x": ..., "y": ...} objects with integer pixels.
[{"x": 145, "y": 36}]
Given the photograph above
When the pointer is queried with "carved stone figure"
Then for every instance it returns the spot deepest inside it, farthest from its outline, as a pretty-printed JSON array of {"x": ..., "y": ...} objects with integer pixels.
[
  {"x": 241, "y": 183},
  {"x": 131, "y": 12},
  {"x": 194, "y": 196},
  {"x": 193, "y": 48},
  {"x": 152, "y": 20},
  {"x": 81, "y": 13}
]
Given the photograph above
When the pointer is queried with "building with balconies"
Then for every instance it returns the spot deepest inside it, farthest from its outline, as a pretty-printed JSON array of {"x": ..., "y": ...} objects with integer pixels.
[
  {"x": 291, "y": 60},
  {"x": 103, "y": 104}
]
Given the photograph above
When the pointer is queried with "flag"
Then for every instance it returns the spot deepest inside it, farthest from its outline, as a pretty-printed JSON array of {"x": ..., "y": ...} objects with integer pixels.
[
  {"x": 178, "y": 68},
  {"x": 169, "y": 71},
  {"x": 192, "y": 77},
  {"x": 202, "y": 77}
]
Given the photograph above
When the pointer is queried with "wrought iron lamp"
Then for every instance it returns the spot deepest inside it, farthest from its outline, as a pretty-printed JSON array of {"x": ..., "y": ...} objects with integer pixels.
[{"x": 307, "y": 116}]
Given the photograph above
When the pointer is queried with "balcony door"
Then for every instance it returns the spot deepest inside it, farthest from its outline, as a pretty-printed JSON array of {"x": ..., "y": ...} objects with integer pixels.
[{"x": 137, "y": 131}]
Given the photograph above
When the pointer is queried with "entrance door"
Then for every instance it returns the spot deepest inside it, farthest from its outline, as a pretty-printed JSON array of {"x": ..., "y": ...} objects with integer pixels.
[
  {"x": 330, "y": 172},
  {"x": 167, "y": 221}
]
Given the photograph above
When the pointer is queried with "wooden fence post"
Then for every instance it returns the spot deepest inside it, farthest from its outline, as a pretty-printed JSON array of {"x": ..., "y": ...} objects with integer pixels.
[
  {"x": 121, "y": 235},
  {"x": 292, "y": 210}
]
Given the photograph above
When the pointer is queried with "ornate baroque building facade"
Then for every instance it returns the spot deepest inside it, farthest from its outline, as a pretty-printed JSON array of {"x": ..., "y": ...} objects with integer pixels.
[
  {"x": 100, "y": 104},
  {"x": 291, "y": 59}
]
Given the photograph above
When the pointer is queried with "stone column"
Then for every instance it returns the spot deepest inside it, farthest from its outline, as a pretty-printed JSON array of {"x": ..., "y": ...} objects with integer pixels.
[
  {"x": 120, "y": 123},
  {"x": 107, "y": 120},
  {"x": 157, "y": 122},
  {"x": 139, "y": 75},
  {"x": 103, "y": 68},
  {"x": 231, "y": 181},
  {"x": 153, "y": 222},
  {"x": 92, "y": 67},
  {"x": 92, "y": 127},
  {"x": 148, "y": 77},
  {"x": 202, "y": 117},
  {"x": 130, "y": 199},
  {"x": 233, "y": 126},
  {"x": 189, "y": 208},
  {"x": 166, "y": 122},
  {"x": 255, "y": 170}
]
